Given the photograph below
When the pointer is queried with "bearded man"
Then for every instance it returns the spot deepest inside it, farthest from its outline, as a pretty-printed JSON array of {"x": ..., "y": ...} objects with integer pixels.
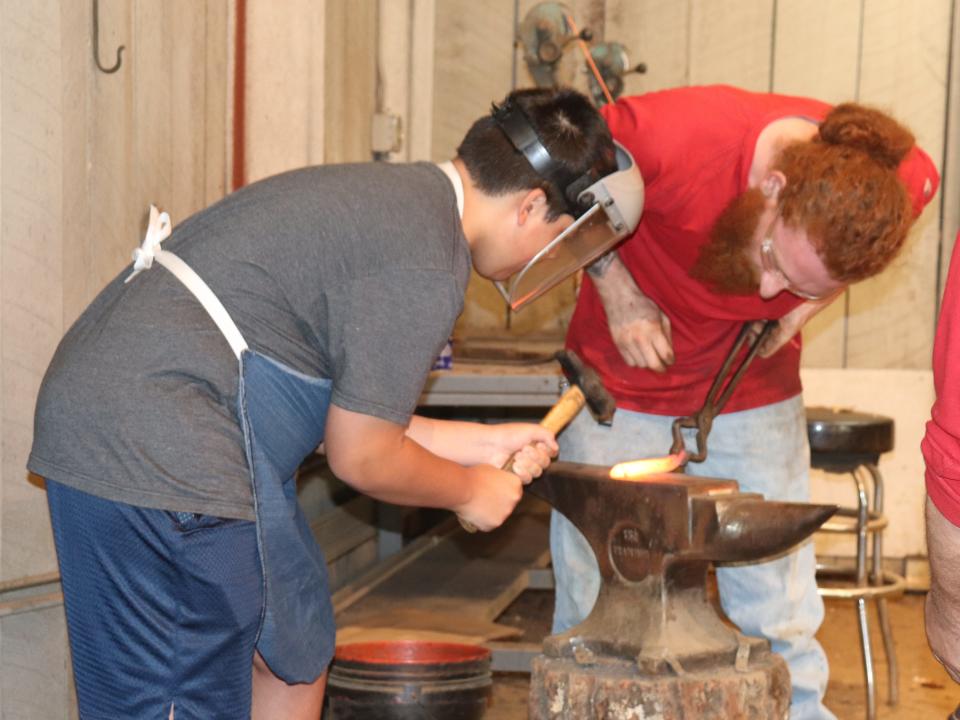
[{"x": 758, "y": 207}]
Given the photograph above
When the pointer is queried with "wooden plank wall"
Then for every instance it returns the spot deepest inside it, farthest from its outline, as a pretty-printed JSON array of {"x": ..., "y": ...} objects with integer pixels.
[
  {"x": 351, "y": 77},
  {"x": 311, "y": 83},
  {"x": 83, "y": 153},
  {"x": 32, "y": 128},
  {"x": 887, "y": 53},
  {"x": 285, "y": 87}
]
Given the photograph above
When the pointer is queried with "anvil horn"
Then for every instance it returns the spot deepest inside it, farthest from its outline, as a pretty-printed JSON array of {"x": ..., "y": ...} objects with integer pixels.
[{"x": 750, "y": 528}]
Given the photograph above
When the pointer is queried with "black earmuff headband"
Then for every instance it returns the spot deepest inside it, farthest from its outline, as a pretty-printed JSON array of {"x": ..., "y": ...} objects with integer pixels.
[{"x": 520, "y": 131}]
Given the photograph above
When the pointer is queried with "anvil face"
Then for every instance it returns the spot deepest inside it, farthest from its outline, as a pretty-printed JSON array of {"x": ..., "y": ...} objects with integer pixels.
[{"x": 654, "y": 539}]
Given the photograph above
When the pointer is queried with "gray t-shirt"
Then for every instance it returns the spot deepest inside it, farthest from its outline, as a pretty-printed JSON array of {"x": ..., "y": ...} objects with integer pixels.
[{"x": 350, "y": 272}]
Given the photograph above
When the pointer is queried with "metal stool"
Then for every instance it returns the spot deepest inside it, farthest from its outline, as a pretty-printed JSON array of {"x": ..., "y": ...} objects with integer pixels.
[{"x": 844, "y": 441}]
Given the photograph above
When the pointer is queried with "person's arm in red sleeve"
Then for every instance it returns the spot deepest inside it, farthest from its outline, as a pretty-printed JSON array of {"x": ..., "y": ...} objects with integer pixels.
[{"x": 941, "y": 451}]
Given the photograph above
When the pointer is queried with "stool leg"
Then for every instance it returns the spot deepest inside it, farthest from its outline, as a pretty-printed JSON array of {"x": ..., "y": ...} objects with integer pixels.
[
  {"x": 863, "y": 518},
  {"x": 893, "y": 695},
  {"x": 867, "y": 658}
]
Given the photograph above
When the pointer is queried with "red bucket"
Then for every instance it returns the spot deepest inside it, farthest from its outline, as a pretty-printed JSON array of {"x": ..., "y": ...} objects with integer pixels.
[{"x": 407, "y": 680}]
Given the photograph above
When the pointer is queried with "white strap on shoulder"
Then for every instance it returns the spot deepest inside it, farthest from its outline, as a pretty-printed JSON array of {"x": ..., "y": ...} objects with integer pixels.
[
  {"x": 158, "y": 230},
  {"x": 211, "y": 303}
]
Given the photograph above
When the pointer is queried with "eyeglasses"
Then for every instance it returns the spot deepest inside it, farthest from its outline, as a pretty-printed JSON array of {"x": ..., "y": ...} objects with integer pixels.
[{"x": 770, "y": 264}]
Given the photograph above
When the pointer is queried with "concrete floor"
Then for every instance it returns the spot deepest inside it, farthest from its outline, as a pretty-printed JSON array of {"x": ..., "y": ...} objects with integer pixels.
[{"x": 926, "y": 692}]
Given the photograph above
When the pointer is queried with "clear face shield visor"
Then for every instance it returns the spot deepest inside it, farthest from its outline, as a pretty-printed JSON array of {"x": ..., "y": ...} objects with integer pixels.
[{"x": 616, "y": 202}]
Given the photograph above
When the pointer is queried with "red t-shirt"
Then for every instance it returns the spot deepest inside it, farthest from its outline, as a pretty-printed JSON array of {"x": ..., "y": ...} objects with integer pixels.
[
  {"x": 941, "y": 444},
  {"x": 694, "y": 147}
]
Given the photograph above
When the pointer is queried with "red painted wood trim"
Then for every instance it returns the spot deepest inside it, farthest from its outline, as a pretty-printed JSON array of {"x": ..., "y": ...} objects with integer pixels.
[{"x": 239, "y": 97}]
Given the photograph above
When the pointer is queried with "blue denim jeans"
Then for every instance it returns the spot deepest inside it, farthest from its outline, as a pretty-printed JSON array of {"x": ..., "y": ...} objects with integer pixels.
[{"x": 766, "y": 451}]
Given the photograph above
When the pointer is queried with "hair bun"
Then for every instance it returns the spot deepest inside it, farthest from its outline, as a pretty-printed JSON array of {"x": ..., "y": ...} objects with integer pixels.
[{"x": 868, "y": 130}]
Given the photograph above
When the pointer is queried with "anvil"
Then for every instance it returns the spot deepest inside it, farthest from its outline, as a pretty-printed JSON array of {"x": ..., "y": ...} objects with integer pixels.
[{"x": 654, "y": 538}]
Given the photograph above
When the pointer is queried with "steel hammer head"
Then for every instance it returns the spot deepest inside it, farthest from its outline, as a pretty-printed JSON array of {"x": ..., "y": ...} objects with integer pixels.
[{"x": 601, "y": 403}]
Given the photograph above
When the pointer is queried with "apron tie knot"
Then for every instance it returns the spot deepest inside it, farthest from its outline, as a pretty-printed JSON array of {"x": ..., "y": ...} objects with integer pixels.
[{"x": 158, "y": 230}]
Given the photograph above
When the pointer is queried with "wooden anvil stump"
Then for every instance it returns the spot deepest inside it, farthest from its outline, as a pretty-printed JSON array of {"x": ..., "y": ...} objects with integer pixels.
[
  {"x": 566, "y": 690},
  {"x": 653, "y": 647}
]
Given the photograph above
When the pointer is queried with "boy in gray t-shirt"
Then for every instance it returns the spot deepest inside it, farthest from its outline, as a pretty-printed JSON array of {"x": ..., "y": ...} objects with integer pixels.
[{"x": 348, "y": 279}]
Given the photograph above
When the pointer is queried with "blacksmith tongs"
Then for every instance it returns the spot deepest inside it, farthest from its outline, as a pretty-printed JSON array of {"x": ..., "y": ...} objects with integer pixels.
[{"x": 702, "y": 421}]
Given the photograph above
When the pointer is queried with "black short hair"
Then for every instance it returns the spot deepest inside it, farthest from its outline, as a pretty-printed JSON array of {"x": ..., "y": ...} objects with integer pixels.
[{"x": 567, "y": 124}]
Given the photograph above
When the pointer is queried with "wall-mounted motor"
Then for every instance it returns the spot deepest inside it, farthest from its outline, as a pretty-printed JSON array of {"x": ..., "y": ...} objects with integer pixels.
[
  {"x": 547, "y": 31},
  {"x": 544, "y": 34},
  {"x": 612, "y": 62}
]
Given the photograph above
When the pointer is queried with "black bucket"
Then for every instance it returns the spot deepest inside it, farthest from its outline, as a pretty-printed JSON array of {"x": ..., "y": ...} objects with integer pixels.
[{"x": 409, "y": 680}]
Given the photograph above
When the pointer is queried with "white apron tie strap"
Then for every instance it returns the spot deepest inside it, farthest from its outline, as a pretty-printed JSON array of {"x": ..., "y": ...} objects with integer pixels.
[{"x": 158, "y": 230}]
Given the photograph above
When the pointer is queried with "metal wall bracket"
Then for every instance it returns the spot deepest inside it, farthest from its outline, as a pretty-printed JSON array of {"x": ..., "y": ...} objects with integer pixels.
[{"x": 96, "y": 43}]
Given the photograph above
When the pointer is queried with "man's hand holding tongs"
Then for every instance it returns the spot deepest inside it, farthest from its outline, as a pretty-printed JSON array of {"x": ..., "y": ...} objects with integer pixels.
[
  {"x": 789, "y": 326},
  {"x": 754, "y": 335}
]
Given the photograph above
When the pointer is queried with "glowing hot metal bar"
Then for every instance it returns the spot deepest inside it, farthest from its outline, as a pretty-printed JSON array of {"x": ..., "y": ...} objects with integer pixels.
[{"x": 650, "y": 466}]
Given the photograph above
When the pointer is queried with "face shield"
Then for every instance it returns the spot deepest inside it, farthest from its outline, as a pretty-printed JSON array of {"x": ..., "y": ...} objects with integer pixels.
[{"x": 614, "y": 204}]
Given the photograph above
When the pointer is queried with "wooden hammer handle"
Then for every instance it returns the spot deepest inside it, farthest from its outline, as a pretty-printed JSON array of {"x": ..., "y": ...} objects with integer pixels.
[
  {"x": 556, "y": 419},
  {"x": 566, "y": 409}
]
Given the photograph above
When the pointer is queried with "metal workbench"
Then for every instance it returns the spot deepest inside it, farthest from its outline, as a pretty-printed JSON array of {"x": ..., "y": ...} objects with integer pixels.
[{"x": 469, "y": 384}]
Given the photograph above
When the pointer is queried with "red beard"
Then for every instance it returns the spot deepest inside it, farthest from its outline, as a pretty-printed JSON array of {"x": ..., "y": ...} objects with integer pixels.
[{"x": 724, "y": 264}]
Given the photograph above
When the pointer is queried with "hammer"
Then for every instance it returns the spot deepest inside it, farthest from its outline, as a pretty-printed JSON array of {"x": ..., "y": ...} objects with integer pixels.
[{"x": 585, "y": 388}]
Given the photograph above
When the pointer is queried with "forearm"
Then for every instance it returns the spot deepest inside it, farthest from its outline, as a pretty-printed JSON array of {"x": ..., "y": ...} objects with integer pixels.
[
  {"x": 398, "y": 469},
  {"x": 638, "y": 328},
  {"x": 615, "y": 284},
  {"x": 790, "y": 325},
  {"x": 813, "y": 307},
  {"x": 466, "y": 443},
  {"x": 378, "y": 458}
]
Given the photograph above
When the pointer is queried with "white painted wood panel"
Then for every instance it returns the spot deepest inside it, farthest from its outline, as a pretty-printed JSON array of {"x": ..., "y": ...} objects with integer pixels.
[
  {"x": 419, "y": 128},
  {"x": 730, "y": 43},
  {"x": 217, "y": 116},
  {"x": 349, "y": 79},
  {"x": 30, "y": 237},
  {"x": 36, "y": 675},
  {"x": 77, "y": 108},
  {"x": 32, "y": 682},
  {"x": 817, "y": 49},
  {"x": 188, "y": 84},
  {"x": 150, "y": 53},
  {"x": 905, "y": 48},
  {"x": 819, "y": 59},
  {"x": 394, "y": 55},
  {"x": 474, "y": 44},
  {"x": 655, "y": 32},
  {"x": 278, "y": 88},
  {"x": 113, "y": 190}
]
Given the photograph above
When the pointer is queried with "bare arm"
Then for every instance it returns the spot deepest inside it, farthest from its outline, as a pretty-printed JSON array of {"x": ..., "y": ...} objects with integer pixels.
[
  {"x": 943, "y": 600},
  {"x": 377, "y": 458},
  {"x": 792, "y": 323},
  {"x": 469, "y": 443},
  {"x": 639, "y": 328}
]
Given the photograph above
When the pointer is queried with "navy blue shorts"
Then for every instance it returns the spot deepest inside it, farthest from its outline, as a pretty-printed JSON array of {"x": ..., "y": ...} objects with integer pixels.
[{"x": 162, "y": 608}]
